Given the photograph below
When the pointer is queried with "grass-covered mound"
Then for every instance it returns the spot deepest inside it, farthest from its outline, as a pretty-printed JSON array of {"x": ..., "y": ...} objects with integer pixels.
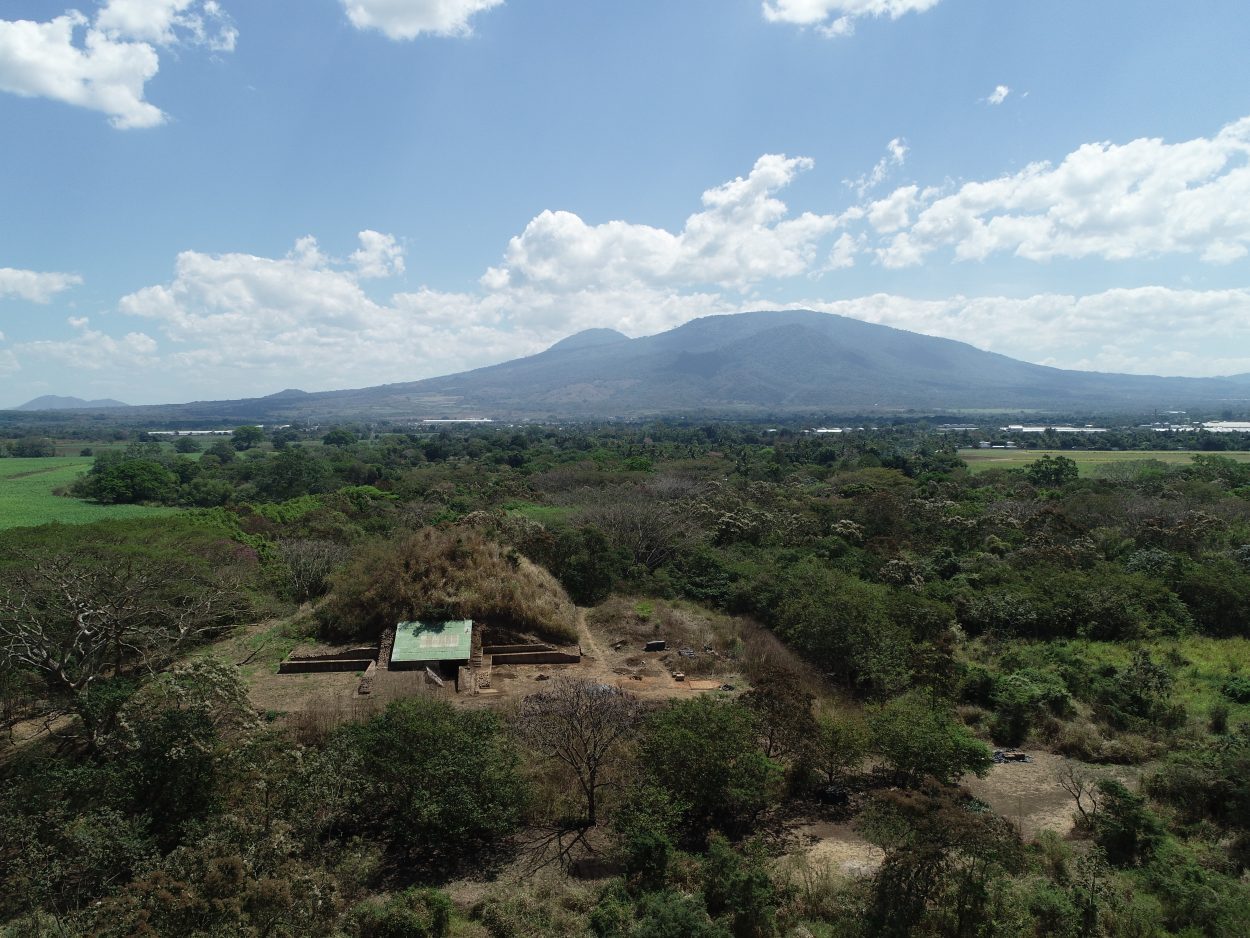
[{"x": 445, "y": 573}]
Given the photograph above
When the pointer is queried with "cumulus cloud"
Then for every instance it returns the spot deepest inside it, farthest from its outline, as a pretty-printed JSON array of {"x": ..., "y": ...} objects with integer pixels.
[
  {"x": 998, "y": 95},
  {"x": 379, "y": 255},
  {"x": 743, "y": 235},
  {"x": 1140, "y": 199},
  {"x": 238, "y": 316},
  {"x": 34, "y": 286},
  {"x": 837, "y": 17},
  {"x": 169, "y": 22},
  {"x": 105, "y": 63},
  {"x": 407, "y": 19}
]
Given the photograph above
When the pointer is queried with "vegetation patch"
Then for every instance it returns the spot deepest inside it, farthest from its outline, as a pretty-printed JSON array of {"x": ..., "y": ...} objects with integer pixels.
[{"x": 29, "y": 494}]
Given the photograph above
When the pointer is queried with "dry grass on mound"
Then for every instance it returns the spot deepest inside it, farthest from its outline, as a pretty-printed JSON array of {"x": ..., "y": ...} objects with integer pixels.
[{"x": 446, "y": 573}]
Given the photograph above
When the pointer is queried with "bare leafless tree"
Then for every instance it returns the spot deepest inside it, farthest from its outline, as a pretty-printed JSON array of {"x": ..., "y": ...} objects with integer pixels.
[
  {"x": 652, "y": 532},
  {"x": 74, "y": 619},
  {"x": 583, "y": 725},
  {"x": 309, "y": 564},
  {"x": 1084, "y": 791}
]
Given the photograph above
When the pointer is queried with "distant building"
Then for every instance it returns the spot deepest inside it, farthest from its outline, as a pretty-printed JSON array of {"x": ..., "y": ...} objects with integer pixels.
[{"x": 1020, "y": 428}]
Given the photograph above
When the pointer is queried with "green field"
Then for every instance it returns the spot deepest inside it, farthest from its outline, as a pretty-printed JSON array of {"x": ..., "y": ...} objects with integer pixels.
[
  {"x": 26, "y": 487},
  {"x": 979, "y": 460}
]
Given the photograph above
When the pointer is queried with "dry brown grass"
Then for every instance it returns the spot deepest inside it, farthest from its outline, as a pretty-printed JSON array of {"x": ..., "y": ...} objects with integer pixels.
[{"x": 446, "y": 573}]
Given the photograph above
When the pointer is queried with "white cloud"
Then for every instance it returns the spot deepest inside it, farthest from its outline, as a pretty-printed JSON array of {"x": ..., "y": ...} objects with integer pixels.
[
  {"x": 998, "y": 95},
  {"x": 407, "y": 19},
  {"x": 895, "y": 155},
  {"x": 837, "y": 17},
  {"x": 34, "y": 286},
  {"x": 92, "y": 350},
  {"x": 742, "y": 236},
  {"x": 169, "y": 22},
  {"x": 380, "y": 255},
  {"x": 243, "y": 318},
  {"x": 235, "y": 324},
  {"x": 1144, "y": 198},
  {"x": 105, "y": 64}
]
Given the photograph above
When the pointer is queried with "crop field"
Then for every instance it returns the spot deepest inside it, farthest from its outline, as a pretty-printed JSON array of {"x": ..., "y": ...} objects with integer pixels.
[
  {"x": 1087, "y": 461},
  {"x": 26, "y": 494}
]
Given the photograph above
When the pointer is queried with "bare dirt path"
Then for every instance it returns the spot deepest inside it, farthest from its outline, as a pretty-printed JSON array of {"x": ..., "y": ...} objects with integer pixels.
[{"x": 586, "y": 638}]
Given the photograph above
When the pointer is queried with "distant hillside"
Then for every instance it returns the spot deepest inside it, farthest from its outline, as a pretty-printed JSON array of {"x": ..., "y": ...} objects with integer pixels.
[
  {"x": 53, "y": 402},
  {"x": 762, "y": 363}
]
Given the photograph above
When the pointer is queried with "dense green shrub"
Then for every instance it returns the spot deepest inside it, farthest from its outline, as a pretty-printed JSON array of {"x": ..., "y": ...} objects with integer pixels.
[
  {"x": 918, "y": 738},
  {"x": 429, "y": 781},
  {"x": 413, "y": 913},
  {"x": 704, "y": 753}
]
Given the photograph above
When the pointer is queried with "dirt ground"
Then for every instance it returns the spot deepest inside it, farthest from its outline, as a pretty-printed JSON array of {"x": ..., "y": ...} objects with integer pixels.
[
  {"x": 837, "y": 846},
  {"x": 1026, "y": 793},
  {"x": 1029, "y": 793},
  {"x": 606, "y": 660}
]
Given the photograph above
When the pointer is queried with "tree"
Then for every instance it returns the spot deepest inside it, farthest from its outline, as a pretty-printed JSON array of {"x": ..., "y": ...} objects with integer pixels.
[
  {"x": 223, "y": 451},
  {"x": 648, "y": 529},
  {"x": 431, "y": 781},
  {"x": 941, "y": 857},
  {"x": 918, "y": 738},
  {"x": 130, "y": 482},
  {"x": 705, "y": 754},
  {"x": 583, "y": 725},
  {"x": 838, "y": 745},
  {"x": 186, "y": 444},
  {"x": 1052, "y": 471},
  {"x": 784, "y": 712},
  {"x": 247, "y": 436},
  {"x": 168, "y": 734},
  {"x": 102, "y": 612},
  {"x": 33, "y": 447},
  {"x": 310, "y": 563},
  {"x": 738, "y": 886},
  {"x": 1124, "y": 827},
  {"x": 292, "y": 472},
  {"x": 339, "y": 436}
]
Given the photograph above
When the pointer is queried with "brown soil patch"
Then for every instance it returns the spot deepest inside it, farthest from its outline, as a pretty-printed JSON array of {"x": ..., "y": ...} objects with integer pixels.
[{"x": 838, "y": 847}]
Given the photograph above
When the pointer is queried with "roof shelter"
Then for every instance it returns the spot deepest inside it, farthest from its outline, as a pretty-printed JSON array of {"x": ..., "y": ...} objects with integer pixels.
[{"x": 437, "y": 645}]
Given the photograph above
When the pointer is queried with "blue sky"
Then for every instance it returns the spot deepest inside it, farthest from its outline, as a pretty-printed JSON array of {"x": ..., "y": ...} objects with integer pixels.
[{"x": 224, "y": 199}]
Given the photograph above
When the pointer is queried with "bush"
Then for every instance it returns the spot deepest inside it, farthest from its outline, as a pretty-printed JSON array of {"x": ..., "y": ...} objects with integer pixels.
[
  {"x": 670, "y": 915},
  {"x": 1124, "y": 827},
  {"x": 1237, "y": 689},
  {"x": 413, "y": 913}
]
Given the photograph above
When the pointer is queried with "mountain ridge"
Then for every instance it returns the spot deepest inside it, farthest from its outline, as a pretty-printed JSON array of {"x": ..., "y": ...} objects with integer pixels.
[
  {"x": 56, "y": 402},
  {"x": 772, "y": 361}
]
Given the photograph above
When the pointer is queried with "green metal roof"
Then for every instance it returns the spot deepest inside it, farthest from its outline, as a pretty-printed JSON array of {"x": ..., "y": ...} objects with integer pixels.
[{"x": 433, "y": 641}]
